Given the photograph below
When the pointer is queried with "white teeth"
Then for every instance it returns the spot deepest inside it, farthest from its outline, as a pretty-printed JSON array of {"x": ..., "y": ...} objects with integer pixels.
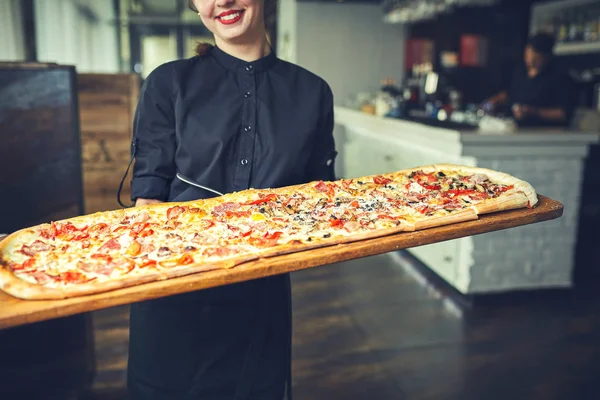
[{"x": 230, "y": 16}]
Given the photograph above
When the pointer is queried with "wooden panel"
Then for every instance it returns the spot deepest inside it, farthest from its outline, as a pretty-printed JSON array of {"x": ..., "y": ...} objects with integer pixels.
[
  {"x": 40, "y": 155},
  {"x": 14, "y": 311},
  {"x": 107, "y": 104}
]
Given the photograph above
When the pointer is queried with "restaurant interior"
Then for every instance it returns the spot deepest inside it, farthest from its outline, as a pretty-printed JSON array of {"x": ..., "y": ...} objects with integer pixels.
[{"x": 506, "y": 314}]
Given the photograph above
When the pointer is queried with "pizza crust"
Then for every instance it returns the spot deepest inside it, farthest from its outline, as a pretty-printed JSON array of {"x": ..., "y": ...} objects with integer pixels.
[{"x": 511, "y": 201}]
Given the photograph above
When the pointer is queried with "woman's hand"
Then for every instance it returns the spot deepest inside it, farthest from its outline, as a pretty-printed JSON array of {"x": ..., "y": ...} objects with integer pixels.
[{"x": 145, "y": 202}]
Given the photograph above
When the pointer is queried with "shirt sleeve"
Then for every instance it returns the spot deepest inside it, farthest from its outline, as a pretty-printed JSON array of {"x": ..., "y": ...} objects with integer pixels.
[
  {"x": 154, "y": 137},
  {"x": 322, "y": 161}
]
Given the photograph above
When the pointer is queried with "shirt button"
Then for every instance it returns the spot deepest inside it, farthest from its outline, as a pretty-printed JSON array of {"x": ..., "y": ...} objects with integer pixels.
[
  {"x": 244, "y": 161},
  {"x": 247, "y": 94},
  {"x": 248, "y": 128},
  {"x": 248, "y": 68}
]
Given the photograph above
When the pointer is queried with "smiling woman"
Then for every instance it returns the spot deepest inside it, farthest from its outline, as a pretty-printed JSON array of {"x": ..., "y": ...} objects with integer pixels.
[
  {"x": 229, "y": 17},
  {"x": 231, "y": 118}
]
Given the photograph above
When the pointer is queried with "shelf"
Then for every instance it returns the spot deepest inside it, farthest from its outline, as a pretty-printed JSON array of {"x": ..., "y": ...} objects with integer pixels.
[{"x": 576, "y": 48}]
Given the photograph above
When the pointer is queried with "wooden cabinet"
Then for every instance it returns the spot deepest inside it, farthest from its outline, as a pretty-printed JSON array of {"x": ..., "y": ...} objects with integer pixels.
[{"x": 107, "y": 105}]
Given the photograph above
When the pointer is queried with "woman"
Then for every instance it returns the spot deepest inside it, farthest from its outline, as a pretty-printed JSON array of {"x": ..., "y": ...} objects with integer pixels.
[{"x": 230, "y": 118}]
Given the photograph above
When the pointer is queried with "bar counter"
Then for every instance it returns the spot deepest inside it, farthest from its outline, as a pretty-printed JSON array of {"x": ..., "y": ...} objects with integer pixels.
[{"x": 528, "y": 257}]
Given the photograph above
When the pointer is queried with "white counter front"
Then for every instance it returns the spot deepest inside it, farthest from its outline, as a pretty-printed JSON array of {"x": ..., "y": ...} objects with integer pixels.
[{"x": 540, "y": 255}]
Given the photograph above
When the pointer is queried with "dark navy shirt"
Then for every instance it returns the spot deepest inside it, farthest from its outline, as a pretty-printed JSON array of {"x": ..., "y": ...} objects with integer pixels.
[
  {"x": 551, "y": 88},
  {"x": 231, "y": 125}
]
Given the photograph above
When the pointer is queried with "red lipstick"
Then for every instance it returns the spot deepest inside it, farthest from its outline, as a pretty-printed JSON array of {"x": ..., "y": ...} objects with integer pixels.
[{"x": 230, "y": 17}]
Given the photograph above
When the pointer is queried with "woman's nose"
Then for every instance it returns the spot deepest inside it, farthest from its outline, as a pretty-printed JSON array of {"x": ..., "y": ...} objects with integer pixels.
[{"x": 225, "y": 3}]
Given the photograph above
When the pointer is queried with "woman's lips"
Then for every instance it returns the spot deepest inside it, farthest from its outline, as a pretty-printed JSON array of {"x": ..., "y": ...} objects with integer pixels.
[{"x": 230, "y": 17}]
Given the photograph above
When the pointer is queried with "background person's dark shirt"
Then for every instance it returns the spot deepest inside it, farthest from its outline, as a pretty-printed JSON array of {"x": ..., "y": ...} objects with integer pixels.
[{"x": 551, "y": 88}]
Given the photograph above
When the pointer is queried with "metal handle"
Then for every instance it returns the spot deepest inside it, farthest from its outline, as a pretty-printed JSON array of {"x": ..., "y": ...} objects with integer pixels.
[{"x": 191, "y": 182}]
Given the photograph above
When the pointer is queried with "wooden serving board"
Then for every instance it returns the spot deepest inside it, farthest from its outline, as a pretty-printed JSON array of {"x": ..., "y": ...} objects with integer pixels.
[{"x": 14, "y": 312}]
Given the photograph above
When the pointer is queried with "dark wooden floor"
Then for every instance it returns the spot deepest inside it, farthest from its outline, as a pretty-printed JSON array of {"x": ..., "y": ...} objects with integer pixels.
[{"x": 373, "y": 329}]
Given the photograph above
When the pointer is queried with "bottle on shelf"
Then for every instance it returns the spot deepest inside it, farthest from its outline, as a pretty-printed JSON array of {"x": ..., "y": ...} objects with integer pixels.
[{"x": 562, "y": 30}]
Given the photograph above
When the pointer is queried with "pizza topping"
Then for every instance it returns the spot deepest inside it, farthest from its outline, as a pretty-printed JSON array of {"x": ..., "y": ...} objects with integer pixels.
[
  {"x": 414, "y": 187},
  {"x": 223, "y": 251},
  {"x": 352, "y": 226},
  {"x": 174, "y": 212},
  {"x": 100, "y": 229},
  {"x": 479, "y": 178},
  {"x": 41, "y": 277},
  {"x": 163, "y": 251},
  {"x": 134, "y": 248},
  {"x": 186, "y": 259},
  {"x": 263, "y": 199},
  {"x": 26, "y": 266},
  {"x": 48, "y": 232},
  {"x": 237, "y": 214},
  {"x": 380, "y": 180},
  {"x": 142, "y": 217},
  {"x": 337, "y": 223},
  {"x": 146, "y": 262},
  {"x": 223, "y": 207},
  {"x": 112, "y": 244},
  {"x": 325, "y": 188},
  {"x": 137, "y": 228}
]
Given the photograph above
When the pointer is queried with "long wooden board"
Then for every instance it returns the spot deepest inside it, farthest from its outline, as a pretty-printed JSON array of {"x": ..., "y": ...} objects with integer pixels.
[{"x": 15, "y": 311}]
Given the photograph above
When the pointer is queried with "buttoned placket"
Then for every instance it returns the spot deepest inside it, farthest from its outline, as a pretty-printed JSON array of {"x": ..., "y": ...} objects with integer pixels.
[{"x": 245, "y": 154}]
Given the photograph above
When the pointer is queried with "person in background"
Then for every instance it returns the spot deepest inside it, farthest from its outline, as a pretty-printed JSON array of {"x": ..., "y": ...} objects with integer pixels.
[
  {"x": 539, "y": 94},
  {"x": 232, "y": 117}
]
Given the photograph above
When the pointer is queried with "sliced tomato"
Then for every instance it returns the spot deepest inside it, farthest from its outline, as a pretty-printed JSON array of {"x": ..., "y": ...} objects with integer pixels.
[
  {"x": 74, "y": 277},
  {"x": 27, "y": 264},
  {"x": 245, "y": 234},
  {"x": 137, "y": 227},
  {"x": 423, "y": 209},
  {"x": 267, "y": 198},
  {"x": 186, "y": 259},
  {"x": 273, "y": 235},
  {"x": 99, "y": 228},
  {"x": 431, "y": 187},
  {"x": 146, "y": 232},
  {"x": 237, "y": 214},
  {"x": 337, "y": 223},
  {"x": 146, "y": 262}
]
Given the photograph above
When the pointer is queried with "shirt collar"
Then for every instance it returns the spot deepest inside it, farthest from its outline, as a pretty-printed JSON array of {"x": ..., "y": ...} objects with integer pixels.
[{"x": 235, "y": 64}]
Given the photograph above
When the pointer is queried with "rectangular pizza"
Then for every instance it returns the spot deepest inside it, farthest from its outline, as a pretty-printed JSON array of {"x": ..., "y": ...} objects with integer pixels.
[{"x": 115, "y": 249}]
